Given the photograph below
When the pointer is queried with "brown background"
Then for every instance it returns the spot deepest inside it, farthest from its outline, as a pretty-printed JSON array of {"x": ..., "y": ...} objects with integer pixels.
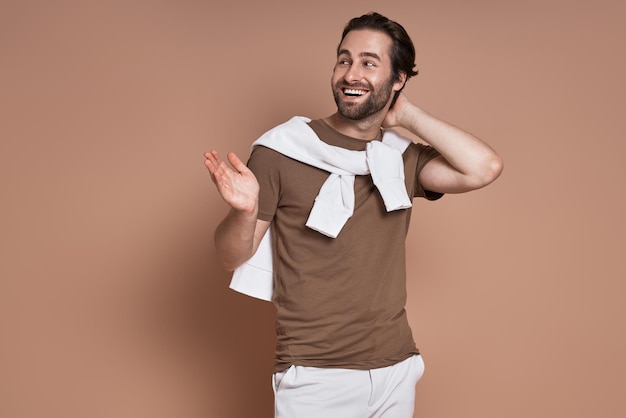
[{"x": 111, "y": 304}]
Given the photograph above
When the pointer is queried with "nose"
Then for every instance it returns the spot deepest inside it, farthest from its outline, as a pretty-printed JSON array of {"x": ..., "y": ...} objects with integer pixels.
[{"x": 353, "y": 74}]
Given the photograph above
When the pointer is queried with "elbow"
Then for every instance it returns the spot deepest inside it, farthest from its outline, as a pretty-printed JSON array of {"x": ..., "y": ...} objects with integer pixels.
[
  {"x": 228, "y": 263},
  {"x": 494, "y": 168},
  {"x": 226, "y": 260},
  {"x": 491, "y": 170},
  {"x": 228, "y": 267}
]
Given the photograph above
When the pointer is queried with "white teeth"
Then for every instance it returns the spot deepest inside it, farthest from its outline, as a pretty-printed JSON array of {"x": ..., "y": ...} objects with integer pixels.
[{"x": 354, "y": 92}]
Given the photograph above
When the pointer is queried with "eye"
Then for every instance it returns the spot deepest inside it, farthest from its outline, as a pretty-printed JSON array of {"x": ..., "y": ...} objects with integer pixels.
[{"x": 370, "y": 64}]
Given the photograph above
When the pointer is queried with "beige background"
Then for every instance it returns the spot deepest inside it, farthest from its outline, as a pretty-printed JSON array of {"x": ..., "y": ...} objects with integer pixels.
[{"x": 111, "y": 304}]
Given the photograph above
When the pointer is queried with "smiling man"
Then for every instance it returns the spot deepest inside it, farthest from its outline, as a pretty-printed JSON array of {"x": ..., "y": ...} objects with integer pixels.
[
  {"x": 370, "y": 80},
  {"x": 336, "y": 194}
]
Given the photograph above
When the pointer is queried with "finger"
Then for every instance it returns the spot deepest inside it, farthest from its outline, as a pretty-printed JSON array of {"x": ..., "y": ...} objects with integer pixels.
[
  {"x": 215, "y": 164},
  {"x": 217, "y": 168},
  {"x": 211, "y": 162},
  {"x": 236, "y": 162},
  {"x": 215, "y": 157},
  {"x": 210, "y": 165},
  {"x": 211, "y": 155}
]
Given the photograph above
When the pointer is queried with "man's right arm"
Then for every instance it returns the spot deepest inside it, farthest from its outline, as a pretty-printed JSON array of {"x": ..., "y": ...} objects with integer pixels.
[
  {"x": 239, "y": 234},
  {"x": 237, "y": 238}
]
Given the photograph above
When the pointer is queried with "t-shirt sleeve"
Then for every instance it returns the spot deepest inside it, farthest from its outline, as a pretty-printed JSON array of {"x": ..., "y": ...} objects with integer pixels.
[
  {"x": 265, "y": 163},
  {"x": 425, "y": 153}
]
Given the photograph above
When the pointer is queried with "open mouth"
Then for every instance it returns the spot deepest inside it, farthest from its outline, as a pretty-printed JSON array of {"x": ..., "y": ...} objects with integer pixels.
[{"x": 354, "y": 92}]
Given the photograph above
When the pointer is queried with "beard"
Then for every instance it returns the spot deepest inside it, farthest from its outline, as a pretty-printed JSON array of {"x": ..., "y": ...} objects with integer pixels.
[{"x": 377, "y": 99}]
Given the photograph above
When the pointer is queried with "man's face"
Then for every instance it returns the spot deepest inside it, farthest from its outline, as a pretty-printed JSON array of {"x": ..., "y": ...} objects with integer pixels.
[{"x": 362, "y": 78}]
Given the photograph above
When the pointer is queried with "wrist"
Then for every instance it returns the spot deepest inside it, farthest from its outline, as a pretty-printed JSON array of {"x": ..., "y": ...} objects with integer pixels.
[
  {"x": 247, "y": 213},
  {"x": 413, "y": 118},
  {"x": 406, "y": 115}
]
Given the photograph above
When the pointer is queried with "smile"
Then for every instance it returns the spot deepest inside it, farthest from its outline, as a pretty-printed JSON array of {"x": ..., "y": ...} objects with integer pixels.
[{"x": 354, "y": 92}]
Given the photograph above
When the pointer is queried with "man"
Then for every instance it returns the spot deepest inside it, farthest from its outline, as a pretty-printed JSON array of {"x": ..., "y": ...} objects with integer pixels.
[{"x": 344, "y": 346}]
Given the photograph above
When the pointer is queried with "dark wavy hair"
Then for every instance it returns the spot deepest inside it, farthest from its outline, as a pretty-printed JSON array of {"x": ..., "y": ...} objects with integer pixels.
[{"x": 402, "y": 49}]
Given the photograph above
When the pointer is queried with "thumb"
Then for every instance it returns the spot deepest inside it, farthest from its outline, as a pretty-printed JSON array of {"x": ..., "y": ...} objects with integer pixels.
[{"x": 236, "y": 162}]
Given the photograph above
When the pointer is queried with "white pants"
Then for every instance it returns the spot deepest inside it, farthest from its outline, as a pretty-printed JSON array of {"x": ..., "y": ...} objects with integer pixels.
[{"x": 312, "y": 392}]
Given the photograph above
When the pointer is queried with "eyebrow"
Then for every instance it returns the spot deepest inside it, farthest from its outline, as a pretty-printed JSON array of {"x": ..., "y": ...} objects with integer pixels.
[{"x": 362, "y": 54}]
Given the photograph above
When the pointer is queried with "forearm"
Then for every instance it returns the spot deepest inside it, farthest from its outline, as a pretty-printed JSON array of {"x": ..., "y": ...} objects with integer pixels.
[
  {"x": 236, "y": 235},
  {"x": 234, "y": 238},
  {"x": 474, "y": 160}
]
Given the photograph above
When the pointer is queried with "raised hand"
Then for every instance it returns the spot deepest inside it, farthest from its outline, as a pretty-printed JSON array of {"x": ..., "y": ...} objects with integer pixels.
[
  {"x": 236, "y": 183},
  {"x": 397, "y": 113}
]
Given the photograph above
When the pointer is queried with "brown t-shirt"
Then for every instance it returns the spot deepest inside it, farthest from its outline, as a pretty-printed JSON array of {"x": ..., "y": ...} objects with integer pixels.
[{"x": 340, "y": 302}]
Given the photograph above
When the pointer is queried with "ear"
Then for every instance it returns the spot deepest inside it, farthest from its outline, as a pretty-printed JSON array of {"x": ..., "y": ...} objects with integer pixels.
[{"x": 400, "y": 82}]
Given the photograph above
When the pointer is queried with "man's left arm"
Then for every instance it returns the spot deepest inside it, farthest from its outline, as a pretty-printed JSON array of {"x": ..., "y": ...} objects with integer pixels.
[{"x": 466, "y": 163}]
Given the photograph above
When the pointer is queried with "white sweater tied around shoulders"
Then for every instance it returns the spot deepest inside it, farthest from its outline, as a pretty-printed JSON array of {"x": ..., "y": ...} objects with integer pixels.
[{"x": 334, "y": 204}]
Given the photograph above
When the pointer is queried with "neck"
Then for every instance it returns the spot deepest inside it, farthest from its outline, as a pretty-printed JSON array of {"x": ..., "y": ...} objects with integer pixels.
[{"x": 365, "y": 129}]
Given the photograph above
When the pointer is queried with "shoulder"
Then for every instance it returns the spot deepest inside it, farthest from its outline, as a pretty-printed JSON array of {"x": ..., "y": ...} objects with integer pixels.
[
  {"x": 263, "y": 156},
  {"x": 422, "y": 152}
]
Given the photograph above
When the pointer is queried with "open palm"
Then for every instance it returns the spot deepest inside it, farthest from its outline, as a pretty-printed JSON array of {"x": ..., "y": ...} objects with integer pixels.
[{"x": 235, "y": 182}]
